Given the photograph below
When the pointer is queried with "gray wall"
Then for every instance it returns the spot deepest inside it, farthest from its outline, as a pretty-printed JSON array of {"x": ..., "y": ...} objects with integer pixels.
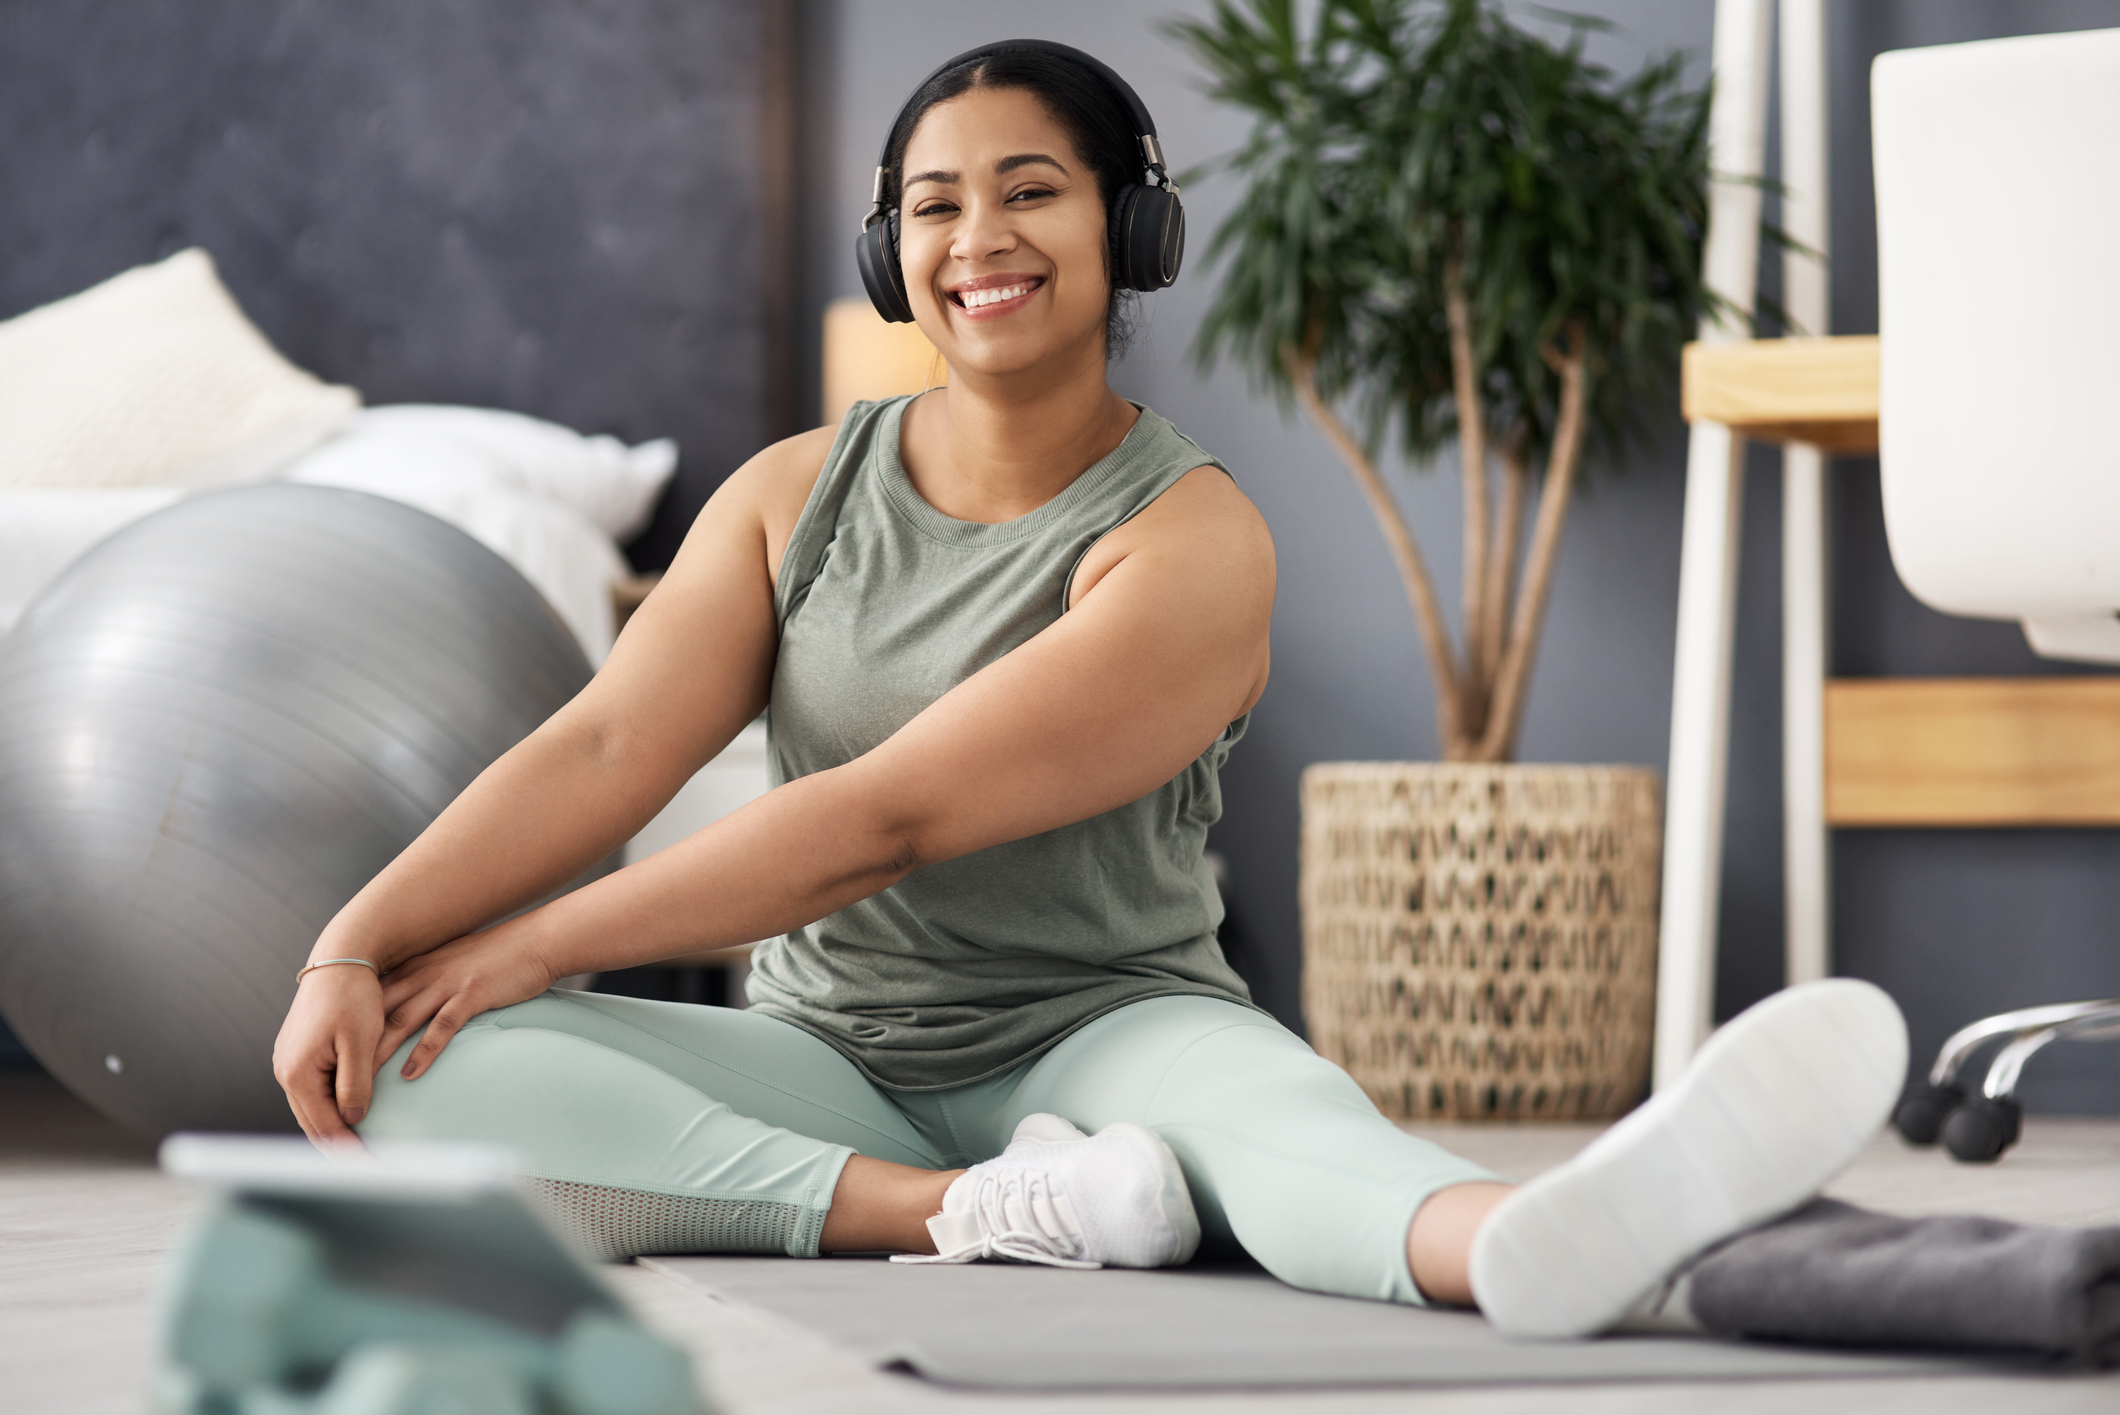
[
  {"x": 1953, "y": 923},
  {"x": 578, "y": 209}
]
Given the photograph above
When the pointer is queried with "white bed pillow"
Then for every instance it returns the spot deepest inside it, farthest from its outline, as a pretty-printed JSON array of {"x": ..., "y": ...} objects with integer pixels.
[
  {"x": 153, "y": 378},
  {"x": 611, "y": 485}
]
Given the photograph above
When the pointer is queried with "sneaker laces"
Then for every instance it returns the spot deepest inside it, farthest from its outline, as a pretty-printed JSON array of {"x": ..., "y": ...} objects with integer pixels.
[{"x": 1012, "y": 1211}]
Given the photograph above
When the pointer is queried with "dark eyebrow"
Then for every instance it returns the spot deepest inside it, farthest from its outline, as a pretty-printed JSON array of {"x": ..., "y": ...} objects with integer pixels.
[
  {"x": 1001, "y": 169},
  {"x": 1009, "y": 164}
]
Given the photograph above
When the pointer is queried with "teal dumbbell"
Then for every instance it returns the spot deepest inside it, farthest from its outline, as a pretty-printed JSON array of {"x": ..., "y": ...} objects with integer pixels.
[{"x": 321, "y": 1294}]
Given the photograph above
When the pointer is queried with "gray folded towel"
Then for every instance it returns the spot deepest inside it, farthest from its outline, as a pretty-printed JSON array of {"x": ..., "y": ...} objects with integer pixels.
[{"x": 1833, "y": 1273}]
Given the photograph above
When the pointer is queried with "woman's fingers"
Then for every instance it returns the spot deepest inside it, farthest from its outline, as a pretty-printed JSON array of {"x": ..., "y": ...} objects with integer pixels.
[
  {"x": 299, "y": 1104},
  {"x": 306, "y": 1076},
  {"x": 315, "y": 1107},
  {"x": 334, "y": 1012},
  {"x": 401, "y": 997},
  {"x": 401, "y": 1021},
  {"x": 353, "y": 1081},
  {"x": 448, "y": 1020},
  {"x": 444, "y": 989}
]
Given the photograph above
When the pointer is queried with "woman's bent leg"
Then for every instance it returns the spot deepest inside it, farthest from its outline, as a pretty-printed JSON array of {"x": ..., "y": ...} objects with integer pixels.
[
  {"x": 1284, "y": 1152},
  {"x": 656, "y": 1127}
]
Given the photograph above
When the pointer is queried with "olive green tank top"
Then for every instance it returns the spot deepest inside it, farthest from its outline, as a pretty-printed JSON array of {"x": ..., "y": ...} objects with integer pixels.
[{"x": 968, "y": 967}]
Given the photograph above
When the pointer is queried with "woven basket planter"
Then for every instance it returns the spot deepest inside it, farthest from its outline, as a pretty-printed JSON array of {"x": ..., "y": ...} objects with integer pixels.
[{"x": 1479, "y": 942}]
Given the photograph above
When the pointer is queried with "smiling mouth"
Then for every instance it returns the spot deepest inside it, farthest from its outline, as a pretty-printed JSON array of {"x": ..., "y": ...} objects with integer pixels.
[{"x": 997, "y": 295}]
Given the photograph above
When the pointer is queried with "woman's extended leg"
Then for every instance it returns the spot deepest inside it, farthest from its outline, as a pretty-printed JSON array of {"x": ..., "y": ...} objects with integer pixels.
[
  {"x": 1439, "y": 1241},
  {"x": 657, "y": 1127},
  {"x": 1285, "y": 1154}
]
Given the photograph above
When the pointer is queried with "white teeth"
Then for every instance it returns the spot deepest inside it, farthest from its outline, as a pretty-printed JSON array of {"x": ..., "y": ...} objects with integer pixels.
[{"x": 973, "y": 299}]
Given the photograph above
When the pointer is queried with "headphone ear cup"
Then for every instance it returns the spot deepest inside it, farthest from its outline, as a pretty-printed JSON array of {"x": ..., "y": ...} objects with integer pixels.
[
  {"x": 876, "y": 255},
  {"x": 1120, "y": 240},
  {"x": 1173, "y": 247},
  {"x": 1149, "y": 237}
]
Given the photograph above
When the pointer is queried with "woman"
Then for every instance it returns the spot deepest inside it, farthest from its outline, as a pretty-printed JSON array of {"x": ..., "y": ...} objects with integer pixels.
[{"x": 1008, "y": 630}]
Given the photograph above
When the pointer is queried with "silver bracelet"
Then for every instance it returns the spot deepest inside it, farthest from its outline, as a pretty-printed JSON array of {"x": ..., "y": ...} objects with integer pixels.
[{"x": 327, "y": 962}]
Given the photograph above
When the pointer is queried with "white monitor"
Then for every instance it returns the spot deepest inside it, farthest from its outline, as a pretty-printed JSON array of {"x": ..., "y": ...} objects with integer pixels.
[{"x": 1998, "y": 253}]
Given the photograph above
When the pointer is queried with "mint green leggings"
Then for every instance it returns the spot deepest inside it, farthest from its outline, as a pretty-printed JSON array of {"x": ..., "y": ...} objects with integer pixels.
[{"x": 664, "y": 1127}]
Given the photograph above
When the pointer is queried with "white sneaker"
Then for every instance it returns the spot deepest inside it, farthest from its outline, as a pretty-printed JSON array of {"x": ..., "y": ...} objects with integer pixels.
[
  {"x": 1776, "y": 1103},
  {"x": 1068, "y": 1200}
]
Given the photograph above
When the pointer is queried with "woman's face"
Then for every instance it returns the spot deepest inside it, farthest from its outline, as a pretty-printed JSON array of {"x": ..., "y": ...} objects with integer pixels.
[{"x": 1002, "y": 234}]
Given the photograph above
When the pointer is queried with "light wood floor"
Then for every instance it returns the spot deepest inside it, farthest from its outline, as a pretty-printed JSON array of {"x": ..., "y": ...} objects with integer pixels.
[{"x": 85, "y": 1220}]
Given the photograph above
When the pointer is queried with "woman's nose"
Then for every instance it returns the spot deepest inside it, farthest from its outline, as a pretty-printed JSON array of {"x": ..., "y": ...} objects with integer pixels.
[{"x": 984, "y": 233}]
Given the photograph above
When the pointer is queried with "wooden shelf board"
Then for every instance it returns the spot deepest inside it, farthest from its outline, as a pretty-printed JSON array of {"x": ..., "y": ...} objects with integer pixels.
[
  {"x": 1973, "y": 751},
  {"x": 1821, "y": 391}
]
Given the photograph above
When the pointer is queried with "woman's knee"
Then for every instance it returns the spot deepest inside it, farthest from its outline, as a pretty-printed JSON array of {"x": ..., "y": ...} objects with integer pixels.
[
  {"x": 1251, "y": 1074},
  {"x": 1119, "y": 1066},
  {"x": 1296, "y": 1160},
  {"x": 466, "y": 1081}
]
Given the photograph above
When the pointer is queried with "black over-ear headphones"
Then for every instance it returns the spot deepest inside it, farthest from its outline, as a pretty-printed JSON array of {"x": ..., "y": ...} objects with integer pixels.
[{"x": 1147, "y": 221}]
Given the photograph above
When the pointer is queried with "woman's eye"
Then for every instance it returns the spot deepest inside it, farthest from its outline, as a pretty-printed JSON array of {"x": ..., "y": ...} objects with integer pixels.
[
  {"x": 1031, "y": 194},
  {"x": 934, "y": 208}
]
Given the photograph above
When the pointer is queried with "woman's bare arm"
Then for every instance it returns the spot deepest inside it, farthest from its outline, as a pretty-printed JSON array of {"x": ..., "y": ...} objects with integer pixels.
[
  {"x": 692, "y": 667},
  {"x": 1157, "y": 657},
  {"x": 1164, "y": 648}
]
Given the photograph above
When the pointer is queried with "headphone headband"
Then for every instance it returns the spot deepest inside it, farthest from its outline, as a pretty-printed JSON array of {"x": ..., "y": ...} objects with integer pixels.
[{"x": 1144, "y": 126}]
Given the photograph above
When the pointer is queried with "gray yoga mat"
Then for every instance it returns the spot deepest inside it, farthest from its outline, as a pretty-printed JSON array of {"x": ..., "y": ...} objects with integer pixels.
[{"x": 1208, "y": 1325}]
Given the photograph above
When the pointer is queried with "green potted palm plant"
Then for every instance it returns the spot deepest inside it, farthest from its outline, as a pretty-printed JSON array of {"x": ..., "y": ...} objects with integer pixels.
[{"x": 1456, "y": 231}]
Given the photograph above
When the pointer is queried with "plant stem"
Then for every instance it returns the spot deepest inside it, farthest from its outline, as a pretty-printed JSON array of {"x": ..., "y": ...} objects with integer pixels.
[
  {"x": 1498, "y": 742},
  {"x": 1508, "y": 541},
  {"x": 1477, "y": 685},
  {"x": 1405, "y": 551}
]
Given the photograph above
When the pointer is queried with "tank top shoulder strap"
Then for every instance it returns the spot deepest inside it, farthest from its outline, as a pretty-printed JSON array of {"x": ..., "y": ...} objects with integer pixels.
[
  {"x": 1152, "y": 458},
  {"x": 1162, "y": 457},
  {"x": 854, "y": 448}
]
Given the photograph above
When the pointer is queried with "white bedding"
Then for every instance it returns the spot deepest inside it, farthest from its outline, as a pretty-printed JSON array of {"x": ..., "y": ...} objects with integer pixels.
[
  {"x": 41, "y": 533},
  {"x": 555, "y": 547}
]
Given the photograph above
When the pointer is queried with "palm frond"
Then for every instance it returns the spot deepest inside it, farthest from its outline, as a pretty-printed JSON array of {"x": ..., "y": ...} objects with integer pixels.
[{"x": 1390, "y": 137}]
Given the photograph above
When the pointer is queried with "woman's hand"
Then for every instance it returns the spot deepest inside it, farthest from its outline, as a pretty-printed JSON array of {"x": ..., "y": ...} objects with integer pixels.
[
  {"x": 324, "y": 1057},
  {"x": 444, "y": 989},
  {"x": 346, "y": 1022}
]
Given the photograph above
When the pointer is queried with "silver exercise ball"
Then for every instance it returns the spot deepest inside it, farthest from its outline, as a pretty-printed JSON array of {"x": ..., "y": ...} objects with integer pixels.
[{"x": 215, "y": 727}]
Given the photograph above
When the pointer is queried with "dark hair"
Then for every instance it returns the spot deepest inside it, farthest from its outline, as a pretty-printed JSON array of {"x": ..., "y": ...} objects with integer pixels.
[{"x": 1096, "y": 121}]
